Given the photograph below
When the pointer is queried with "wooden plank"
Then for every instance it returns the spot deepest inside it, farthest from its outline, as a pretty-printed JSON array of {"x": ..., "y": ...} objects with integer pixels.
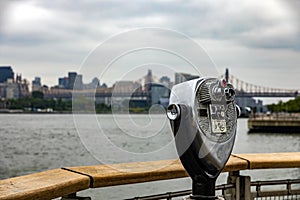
[
  {"x": 136, "y": 172},
  {"x": 44, "y": 185},
  {"x": 235, "y": 164},
  {"x": 119, "y": 174},
  {"x": 272, "y": 160},
  {"x": 59, "y": 182}
]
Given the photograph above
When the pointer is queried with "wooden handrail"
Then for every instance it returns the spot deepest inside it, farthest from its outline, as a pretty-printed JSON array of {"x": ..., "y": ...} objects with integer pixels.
[
  {"x": 59, "y": 182},
  {"x": 44, "y": 185}
]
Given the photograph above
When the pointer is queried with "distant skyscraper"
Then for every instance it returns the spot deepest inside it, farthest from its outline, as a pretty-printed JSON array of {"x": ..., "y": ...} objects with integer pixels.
[
  {"x": 72, "y": 78},
  {"x": 78, "y": 84},
  {"x": 148, "y": 81},
  {"x": 36, "y": 84},
  {"x": 19, "y": 78},
  {"x": 6, "y": 72},
  {"x": 37, "y": 81},
  {"x": 63, "y": 82},
  {"x": 95, "y": 82},
  {"x": 92, "y": 85},
  {"x": 160, "y": 94},
  {"x": 3, "y": 90},
  {"x": 12, "y": 89},
  {"x": 75, "y": 81}
]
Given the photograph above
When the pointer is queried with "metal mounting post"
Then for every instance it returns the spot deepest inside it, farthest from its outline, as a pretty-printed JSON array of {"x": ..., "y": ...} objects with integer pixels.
[{"x": 203, "y": 188}]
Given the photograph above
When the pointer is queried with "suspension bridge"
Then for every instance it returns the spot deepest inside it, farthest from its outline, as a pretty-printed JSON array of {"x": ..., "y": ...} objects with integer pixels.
[{"x": 246, "y": 89}]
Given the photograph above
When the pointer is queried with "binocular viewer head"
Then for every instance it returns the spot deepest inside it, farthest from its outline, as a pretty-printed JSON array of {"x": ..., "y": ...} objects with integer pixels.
[{"x": 203, "y": 117}]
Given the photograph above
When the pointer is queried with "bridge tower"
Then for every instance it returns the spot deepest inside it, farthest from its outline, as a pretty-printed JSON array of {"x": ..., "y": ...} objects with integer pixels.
[
  {"x": 148, "y": 81},
  {"x": 226, "y": 75}
]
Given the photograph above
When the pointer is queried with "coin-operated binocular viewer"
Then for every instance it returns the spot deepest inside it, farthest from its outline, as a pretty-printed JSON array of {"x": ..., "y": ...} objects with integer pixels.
[{"x": 203, "y": 117}]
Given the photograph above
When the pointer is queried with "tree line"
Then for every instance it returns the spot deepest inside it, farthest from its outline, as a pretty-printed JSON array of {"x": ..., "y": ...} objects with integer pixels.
[
  {"x": 38, "y": 102},
  {"x": 291, "y": 106}
]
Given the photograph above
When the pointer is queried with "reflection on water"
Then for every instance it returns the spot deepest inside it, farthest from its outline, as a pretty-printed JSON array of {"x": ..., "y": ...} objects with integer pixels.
[{"x": 33, "y": 143}]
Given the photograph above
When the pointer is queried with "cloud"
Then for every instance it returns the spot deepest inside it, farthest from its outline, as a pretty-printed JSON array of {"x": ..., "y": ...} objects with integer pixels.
[
  {"x": 59, "y": 32},
  {"x": 267, "y": 24},
  {"x": 249, "y": 22}
]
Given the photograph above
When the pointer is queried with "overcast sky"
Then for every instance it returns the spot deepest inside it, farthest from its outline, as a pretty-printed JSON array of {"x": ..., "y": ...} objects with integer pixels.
[{"x": 259, "y": 41}]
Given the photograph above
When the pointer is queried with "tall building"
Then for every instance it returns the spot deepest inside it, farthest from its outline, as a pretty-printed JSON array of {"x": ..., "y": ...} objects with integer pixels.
[
  {"x": 75, "y": 81},
  {"x": 3, "y": 87},
  {"x": 72, "y": 78},
  {"x": 182, "y": 77},
  {"x": 160, "y": 94},
  {"x": 37, "y": 81},
  {"x": 24, "y": 88},
  {"x": 6, "y": 72},
  {"x": 92, "y": 85},
  {"x": 148, "y": 81},
  {"x": 12, "y": 89},
  {"x": 19, "y": 78},
  {"x": 36, "y": 84},
  {"x": 95, "y": 82},
  {"x": 78, "y": 82},
  {"x": 248, "y": 104},
  {"x": 63, "y": 82}
]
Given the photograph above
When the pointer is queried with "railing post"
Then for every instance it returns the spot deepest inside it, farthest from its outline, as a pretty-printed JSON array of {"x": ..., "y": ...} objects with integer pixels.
[
  {"x": 245, "y": 187},
  {"x": 230, "y": 194},
  {"x": 242, "y": 189}
]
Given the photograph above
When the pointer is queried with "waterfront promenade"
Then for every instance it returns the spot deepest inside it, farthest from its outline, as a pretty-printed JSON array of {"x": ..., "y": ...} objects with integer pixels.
[{"x": 278, "y": 122}]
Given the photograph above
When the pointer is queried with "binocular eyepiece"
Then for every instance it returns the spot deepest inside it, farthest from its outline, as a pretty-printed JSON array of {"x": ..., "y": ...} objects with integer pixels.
[{"x": 203, "y": 117}]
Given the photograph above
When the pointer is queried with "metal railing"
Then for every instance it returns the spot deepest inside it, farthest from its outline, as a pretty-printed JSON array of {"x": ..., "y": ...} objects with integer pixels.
[
  {"x": 183, "y": 193},
  {"x": 287, "y": 193},
  {"x": 237, "y": 190}
]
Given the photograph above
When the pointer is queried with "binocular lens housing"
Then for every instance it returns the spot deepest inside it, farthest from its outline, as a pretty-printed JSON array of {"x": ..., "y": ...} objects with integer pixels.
[{"x": 203, "y": 117}]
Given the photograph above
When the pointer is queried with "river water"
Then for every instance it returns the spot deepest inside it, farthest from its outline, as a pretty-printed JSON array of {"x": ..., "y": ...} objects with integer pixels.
[{"x": 38, "y": 142}]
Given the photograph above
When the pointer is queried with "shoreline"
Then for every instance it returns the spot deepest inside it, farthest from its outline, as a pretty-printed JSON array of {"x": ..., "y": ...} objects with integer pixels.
[{"x": 70, "y": 112}]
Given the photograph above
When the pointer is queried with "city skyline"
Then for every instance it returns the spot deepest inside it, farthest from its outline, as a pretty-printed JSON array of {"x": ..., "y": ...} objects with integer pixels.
[
  {"x": 258, "y": 41},
  {"x": 38, "y": 80}
]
